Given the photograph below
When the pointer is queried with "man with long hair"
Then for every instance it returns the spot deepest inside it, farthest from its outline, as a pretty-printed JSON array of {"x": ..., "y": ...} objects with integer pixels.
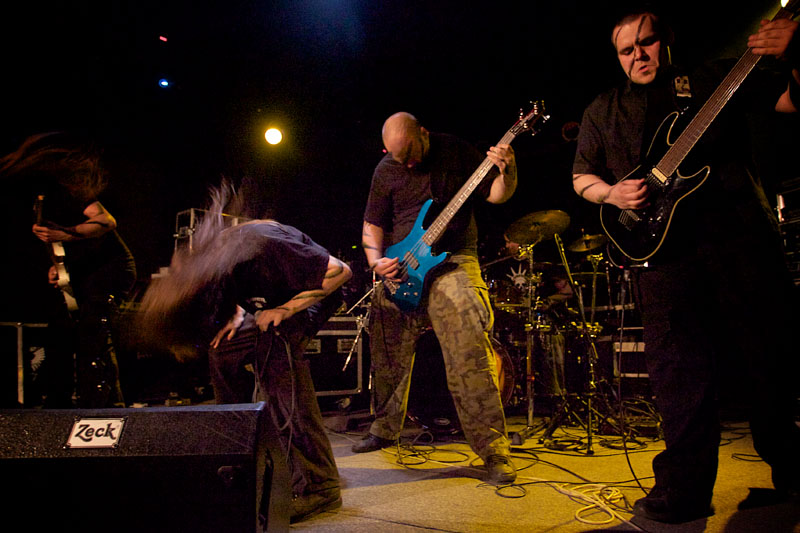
[
  {"x": 256, "y": 293},
  {"x": 92, "y": 266}
]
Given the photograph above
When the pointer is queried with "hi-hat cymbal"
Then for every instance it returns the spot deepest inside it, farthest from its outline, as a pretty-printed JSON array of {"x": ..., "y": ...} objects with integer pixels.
[
  {"x": 587, "y": 243},
  {"x": 538, "y": 226}
]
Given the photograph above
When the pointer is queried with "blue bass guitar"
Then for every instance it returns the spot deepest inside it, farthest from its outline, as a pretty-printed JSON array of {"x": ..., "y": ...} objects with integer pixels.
[{"x": 414, "y": 251}]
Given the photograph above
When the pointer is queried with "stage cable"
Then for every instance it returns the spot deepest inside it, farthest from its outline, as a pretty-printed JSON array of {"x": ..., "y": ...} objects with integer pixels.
[{"x": 260, "y": 393}]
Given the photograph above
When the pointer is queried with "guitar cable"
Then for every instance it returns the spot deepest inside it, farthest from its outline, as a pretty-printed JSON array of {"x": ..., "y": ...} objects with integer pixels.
[{"x": 259, "y": 392}]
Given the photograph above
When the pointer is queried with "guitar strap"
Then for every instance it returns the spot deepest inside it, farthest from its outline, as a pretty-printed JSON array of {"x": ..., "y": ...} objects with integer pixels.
[{"x": 667, "y": 94}]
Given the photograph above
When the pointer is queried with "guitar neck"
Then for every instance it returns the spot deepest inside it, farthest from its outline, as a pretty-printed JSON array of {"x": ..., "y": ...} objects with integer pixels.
[
  {"x": 38, "y": 206},
  {"x": 438, "y": 226},
  {"x": 705, "y": 116}
]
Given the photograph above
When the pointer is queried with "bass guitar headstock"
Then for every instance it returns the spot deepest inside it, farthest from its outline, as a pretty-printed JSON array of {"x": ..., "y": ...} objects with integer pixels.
[{"x": 533, "y": 120}]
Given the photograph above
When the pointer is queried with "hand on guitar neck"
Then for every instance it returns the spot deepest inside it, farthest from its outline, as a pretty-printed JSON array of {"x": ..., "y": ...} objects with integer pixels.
[{"x": 54, "y": 233}]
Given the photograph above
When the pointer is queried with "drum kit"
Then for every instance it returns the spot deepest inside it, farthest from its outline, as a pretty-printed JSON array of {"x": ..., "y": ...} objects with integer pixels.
[{"x": 541, "y": 317}]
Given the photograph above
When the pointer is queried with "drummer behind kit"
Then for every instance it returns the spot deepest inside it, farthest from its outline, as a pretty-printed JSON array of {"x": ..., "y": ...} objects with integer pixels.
[{"x": 526, "y": 233}]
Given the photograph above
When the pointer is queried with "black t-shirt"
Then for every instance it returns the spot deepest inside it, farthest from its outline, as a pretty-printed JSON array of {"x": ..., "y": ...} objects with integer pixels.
[
  {"x": 397, "y": 193},
  {"x": 284, "y": 262}
]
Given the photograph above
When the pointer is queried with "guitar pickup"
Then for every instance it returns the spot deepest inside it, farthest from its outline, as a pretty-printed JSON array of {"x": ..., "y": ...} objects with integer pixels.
[
  {"x": 660, "y": 177},
  {"x": 410, "y": 260}
]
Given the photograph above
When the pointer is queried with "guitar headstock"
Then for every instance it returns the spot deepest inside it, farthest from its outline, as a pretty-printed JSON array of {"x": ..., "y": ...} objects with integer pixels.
[
  {"x": 792, "y": 6},
  {"x": 534, "y": 119},
  {"x": 789, "y": 9}
]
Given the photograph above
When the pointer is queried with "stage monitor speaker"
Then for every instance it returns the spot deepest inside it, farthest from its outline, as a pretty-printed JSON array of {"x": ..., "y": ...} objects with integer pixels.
[{"x": 166, "y": 469}]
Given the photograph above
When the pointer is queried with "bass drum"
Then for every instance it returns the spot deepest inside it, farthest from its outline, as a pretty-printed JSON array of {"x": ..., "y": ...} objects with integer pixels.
[{"x": 429, "y": 401}]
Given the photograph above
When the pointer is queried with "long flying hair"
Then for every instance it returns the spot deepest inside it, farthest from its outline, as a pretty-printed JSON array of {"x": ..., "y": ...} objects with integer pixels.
[
  {"x": 73, "y": 164},
  {"x": 195, "y": 299}
]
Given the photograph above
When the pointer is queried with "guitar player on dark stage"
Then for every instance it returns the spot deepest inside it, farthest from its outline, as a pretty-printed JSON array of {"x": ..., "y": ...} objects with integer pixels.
[
  {"x": 420, "y": 165},
  {"x": 65, "y": 178},
  {"x": 715, "y": 297}
]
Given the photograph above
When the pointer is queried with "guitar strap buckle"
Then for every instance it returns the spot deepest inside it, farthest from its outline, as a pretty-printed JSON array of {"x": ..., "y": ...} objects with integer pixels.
[{"x": 682, "y": 90}]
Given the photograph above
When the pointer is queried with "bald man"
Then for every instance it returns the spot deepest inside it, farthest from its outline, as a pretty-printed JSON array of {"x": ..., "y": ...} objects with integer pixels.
[{"x": 421, "y": 165}]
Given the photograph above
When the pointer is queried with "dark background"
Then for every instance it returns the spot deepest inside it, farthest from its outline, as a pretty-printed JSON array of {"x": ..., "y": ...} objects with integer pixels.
[{"x": 328, "y": 73}]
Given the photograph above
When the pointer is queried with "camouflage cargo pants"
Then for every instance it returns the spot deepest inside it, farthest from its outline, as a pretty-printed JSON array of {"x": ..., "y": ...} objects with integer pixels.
[{"x": 458, "y": 310}]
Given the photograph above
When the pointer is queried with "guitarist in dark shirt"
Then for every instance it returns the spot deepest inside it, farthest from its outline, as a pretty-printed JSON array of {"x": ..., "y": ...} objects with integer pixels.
[
  {"x": 716, "y": 296},
  {"x": 80, "y": 359},
  {"x": 418, "y": 166}
]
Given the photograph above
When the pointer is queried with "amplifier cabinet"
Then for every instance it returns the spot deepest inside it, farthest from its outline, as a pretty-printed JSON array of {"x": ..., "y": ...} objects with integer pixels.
[
  {"x": 626, "y": 353},
  {"x": 336, "y": 357}
]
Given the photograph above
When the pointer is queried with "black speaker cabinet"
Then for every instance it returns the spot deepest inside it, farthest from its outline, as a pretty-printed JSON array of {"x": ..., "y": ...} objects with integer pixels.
[{"x": 170, "y": 469}]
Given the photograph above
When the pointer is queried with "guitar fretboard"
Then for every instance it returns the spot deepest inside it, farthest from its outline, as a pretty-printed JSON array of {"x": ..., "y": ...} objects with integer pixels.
[
  {"x": 672, "y": 159},
  {"x": 438, "y": 226}
]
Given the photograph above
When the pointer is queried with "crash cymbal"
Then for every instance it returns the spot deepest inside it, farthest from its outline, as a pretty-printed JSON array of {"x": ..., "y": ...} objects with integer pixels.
[
  {"x": 587, "y": 243},
  {"x": 538, "y": 226}
]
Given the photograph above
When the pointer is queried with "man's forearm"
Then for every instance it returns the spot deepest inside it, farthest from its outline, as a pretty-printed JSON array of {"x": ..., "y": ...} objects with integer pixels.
[
  {"x": 591, "y": 187},
  {"x": 372, "y": 243},
  {"x": 336, "y": 275}
]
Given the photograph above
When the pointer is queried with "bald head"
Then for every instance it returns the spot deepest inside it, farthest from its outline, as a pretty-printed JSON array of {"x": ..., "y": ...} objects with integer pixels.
[{"x": 405, "y": 139}]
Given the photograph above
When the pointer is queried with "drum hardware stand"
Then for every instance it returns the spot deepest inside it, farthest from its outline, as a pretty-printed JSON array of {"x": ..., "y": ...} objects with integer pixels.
[
  {"x": 595, "y": 260},
  {"x": 587, "y": 332},
  {"x": 532, "y": 324},
  {"x": 529, "y": 231}
]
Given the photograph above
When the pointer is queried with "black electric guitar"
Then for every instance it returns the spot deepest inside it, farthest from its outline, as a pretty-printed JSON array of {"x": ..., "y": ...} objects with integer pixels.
[
  {"x": 640, "y": 233},
  {"x": 414, "y": 250},
  {"x": 57, "y": 256}
]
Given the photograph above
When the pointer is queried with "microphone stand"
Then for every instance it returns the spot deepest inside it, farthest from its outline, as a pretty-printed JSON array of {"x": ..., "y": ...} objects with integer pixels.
[{"x": 361, "y": 321}]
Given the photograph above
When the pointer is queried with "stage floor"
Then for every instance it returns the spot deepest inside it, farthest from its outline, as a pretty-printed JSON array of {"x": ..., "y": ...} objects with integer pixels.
[{"x": 438, "y": 485}]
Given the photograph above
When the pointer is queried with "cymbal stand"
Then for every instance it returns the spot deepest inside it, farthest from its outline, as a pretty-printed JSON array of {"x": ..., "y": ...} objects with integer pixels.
[
  {"x": 361, "y": 320},
  {"x": 587, "y": 331},
  {"x": 595, "y": 260},
  {"x": 531, "y": 326}
]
